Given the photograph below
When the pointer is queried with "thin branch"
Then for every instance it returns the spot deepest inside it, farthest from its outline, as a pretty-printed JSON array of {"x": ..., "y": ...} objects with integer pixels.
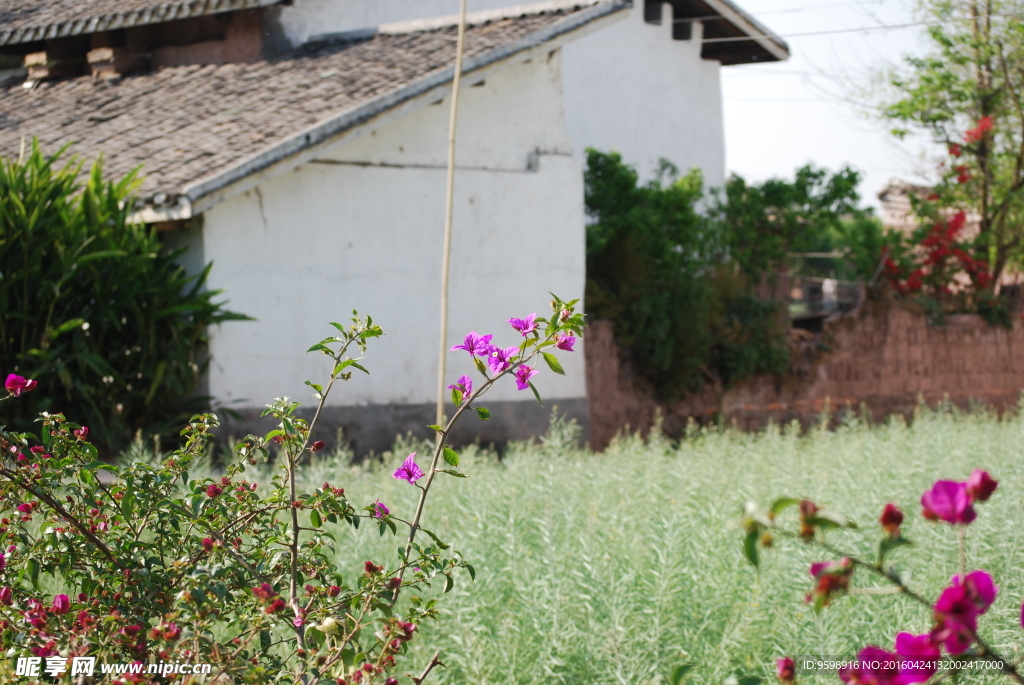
[{"x": 434, "y": 661}]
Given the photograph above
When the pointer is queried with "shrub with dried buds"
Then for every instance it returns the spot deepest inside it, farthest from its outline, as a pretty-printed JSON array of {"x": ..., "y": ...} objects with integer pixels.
[{"x": 161, "y": 566}]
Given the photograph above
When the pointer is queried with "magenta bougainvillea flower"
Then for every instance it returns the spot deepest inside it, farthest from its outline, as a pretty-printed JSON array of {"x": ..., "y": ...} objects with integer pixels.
[
  {"x": 980, "y": 485},
  {"x": 82, "y": 433},
  {"x": 475, "y": 344},
  {"x": 785, "y": 669},
  {"x": 379, "y": 510},
  {"x": 3, "y": 562},
  {"x": 891, "y": 519},
  {"x": 524, "y": 326},
  {"x": 565, "y": 342},
  {"x": 61, "y": 604},
  {"x": 500, "y": 359},
  {"x": 958, "y": 608},
  {"x": 948, "y": 501},
  {"x": 16, "y": 385},
  {"x": 6, "y": 596},
  {"x": 919, "y": 661},
  {"x": 214, "y": 490},
  {"x": 523, "y": 375},
  {"x": 463, "y": 386},
  {"x": 875, "y": 666},
  {"x": 25, "y": 508},
  {"x": 264, "y": 592},
  {"x": 409, "y": 470},
  {"x": 207, "y": 544}
]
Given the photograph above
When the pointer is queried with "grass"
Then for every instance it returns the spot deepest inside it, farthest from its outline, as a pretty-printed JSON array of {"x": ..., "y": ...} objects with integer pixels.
[{"x": 616, "y": 567}]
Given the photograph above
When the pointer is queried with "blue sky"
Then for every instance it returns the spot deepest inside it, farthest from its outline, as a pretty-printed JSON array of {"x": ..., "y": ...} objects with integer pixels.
[{"x": 815, "y": 107}]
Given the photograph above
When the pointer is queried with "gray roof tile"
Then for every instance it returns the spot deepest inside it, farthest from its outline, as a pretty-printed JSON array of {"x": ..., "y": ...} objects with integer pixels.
[{"x": 181, "y": 124}]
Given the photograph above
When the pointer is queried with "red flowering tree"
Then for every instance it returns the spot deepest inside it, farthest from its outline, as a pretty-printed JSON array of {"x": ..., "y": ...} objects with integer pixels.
[{"x": 968, "y": 94}]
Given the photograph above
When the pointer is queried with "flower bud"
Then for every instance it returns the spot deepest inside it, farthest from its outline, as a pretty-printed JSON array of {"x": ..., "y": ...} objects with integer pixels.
[
  {"x": 785, "y": 669},
  {"x": 891, "y": 519}
]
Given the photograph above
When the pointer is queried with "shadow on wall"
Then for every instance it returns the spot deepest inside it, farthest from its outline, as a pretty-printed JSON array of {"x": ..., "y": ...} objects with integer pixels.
[{"x": 883, "y": 355}]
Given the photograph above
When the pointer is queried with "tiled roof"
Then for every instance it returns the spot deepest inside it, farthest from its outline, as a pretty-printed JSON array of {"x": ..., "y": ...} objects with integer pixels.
[
  {"x": 187, "y": 125},
  {"x": 23, "y": 21}
]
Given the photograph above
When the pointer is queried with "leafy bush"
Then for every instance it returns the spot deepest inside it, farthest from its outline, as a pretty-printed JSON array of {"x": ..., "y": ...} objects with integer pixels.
[
  {"x": 761, "y": 223},
  {"x": 113, "y": 329},
  {"x": 657, "y": 268},
  {"x": 162, "y": 565}
]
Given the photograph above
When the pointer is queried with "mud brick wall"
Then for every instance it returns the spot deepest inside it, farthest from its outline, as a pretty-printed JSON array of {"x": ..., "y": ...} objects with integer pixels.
[{"x": 883, "y": 356}]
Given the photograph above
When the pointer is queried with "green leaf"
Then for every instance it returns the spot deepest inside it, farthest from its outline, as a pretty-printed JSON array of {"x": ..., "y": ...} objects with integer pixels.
[
  {"x": 678, "y": 673},
  {"x": 449, "y": 583},
  {"x": 67, "y": 326},
  {"x": 450, "y": 457},
  {"x": 264, "y": 640},
  {"x": 827, "y": 520},
  {"x": 750, "y": 547},
  {"x": 456, "y": 397},
  {"x": 318, "y": 346},
  {"x": 553, "y": 363},
  {"x": 535, "y": 393},
  {"x": 749, "y": 680},
  {"x": 314, "y": 518},
  {"x": 781, "y": 504},
  {"x": 33, "y": 573},
  {"x": 453, "y": 473},
  {"x": 480, "y": 365},
  {"x": 472, "y": 571},
  {"x": 484, "y": 414},
  {"x": 888, "y": 544}
]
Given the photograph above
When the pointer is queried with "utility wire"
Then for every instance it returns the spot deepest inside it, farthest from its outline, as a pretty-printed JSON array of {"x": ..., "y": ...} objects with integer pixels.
[{"x": 448, "y": 210}]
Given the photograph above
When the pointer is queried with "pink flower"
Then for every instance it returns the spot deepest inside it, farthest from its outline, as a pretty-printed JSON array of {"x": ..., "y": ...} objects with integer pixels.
[
  {"x": 207, "y": 544},
  {"x": 6, "y": 596},
  {"x": 3, "y": 562},
  {"x": 524, "y": 326},
  {"x": 980, "y": 485},
  {"x": 379, "y": 510},
  {"x": 409, "y": 470},
  {"x": 214, "y": 490},
  {"x": 475, "y": 344},
  {"x": 462, "y": 388},
  {"x": 875, "y": 666},
  {"x": 275, "y": 606},
  {"x": 958, "y": 608},
  {"x": 298, "y": 621},
  {"x": 16, "y": 385},
  {"x": 82, "y": 433},
  {"x": 565, "y": 342},
  {"x": 25, "y": 507},
  {"x": 1022, "y": 615},
  {"x": 61, "y": 604},
  {"x": 920, "y": 658},
  {"x": 948, "y": 501},
  {"x": 500, "y": 359},
  {"x": 785, "y": 669},
  {"x": 264, "y": 592},
  {"x": 523, "y": 375}
]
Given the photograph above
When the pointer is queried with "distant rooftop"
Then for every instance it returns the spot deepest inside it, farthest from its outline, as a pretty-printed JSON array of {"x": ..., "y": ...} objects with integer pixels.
[
  {"x": 195, "y": 129},
  {"x": 26, "y": 21}
]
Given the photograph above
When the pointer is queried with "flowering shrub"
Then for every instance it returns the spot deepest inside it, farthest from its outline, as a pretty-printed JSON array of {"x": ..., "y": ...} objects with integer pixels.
[
  {"x": 155, "y": 567},
  {"x": 955, "y": 613}
]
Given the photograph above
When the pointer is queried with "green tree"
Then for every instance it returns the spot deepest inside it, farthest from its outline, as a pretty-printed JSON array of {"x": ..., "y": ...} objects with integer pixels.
[
  {"x": 112, "y": 328},
  {"x": 967, "y": 93}
]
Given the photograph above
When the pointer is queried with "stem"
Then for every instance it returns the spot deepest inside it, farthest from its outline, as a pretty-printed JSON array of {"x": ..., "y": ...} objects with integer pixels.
[
  {"x": 448, "y": 209},
  {"x": 55, "y": 505},
  {"x": 961, "y": 535},
  {"x": 434, "y": 661}
]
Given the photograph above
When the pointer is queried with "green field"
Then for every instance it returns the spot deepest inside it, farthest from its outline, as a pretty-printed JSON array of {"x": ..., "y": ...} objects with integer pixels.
[{"x": 616, "y": 567}]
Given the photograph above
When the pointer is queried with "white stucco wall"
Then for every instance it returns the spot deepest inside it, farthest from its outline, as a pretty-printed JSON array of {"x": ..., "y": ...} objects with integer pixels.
[
  {"x": 628, "y": 87},
  {"x": 361, "y": 228}
]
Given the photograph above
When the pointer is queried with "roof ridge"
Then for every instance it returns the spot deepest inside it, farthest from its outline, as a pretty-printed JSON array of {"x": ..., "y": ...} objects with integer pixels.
[{"x": 472, "y": 19}]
